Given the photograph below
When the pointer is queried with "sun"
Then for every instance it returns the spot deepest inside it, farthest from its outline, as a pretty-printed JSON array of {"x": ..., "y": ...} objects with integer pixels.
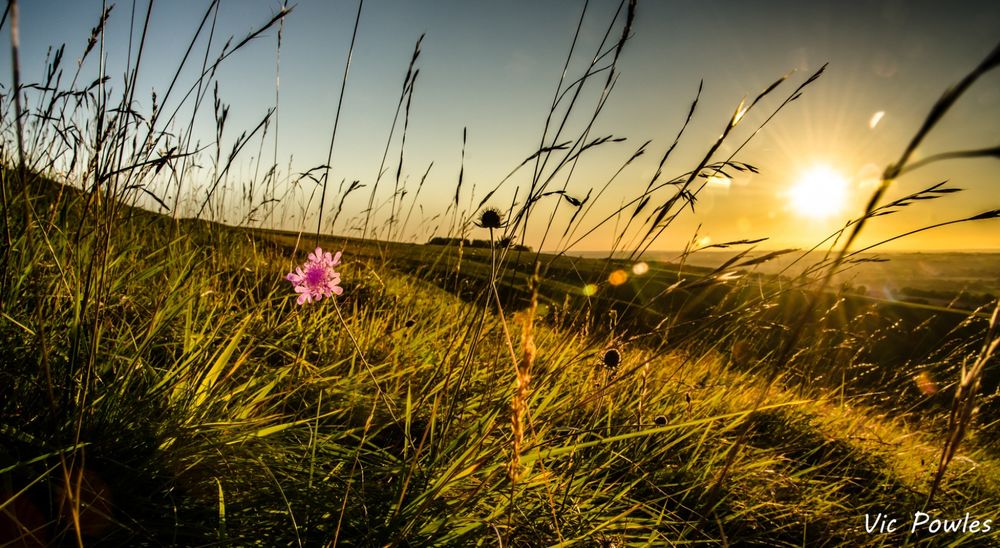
[{"x": 819, "y": 193}]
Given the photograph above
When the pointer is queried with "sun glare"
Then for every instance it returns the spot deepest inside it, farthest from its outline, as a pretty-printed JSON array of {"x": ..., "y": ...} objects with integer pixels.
[{"x": 820, "y": 192}]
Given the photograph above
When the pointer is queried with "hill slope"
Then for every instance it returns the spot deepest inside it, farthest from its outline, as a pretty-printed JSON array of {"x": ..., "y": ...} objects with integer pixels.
[{"x": 166, "y": 389}]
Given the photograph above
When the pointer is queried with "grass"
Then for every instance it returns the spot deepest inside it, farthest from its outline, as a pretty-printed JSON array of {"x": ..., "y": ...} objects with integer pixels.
[
  {"x": 223, "y": 412},
  {"x": 162, "y": 387}
]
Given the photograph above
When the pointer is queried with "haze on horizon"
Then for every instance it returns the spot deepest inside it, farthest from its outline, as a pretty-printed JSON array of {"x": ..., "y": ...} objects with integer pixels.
[{"x": 493, "y": 68}]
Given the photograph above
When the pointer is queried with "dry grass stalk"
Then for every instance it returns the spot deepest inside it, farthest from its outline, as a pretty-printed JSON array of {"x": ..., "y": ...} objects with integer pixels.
[
  {"x": 965, "y": 401},
  {"x": 519, "y": 406}
]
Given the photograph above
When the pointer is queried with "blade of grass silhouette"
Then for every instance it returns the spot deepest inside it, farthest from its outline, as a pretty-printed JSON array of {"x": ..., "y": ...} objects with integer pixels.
[
  {"x": 336, "y": 120},
  {"x": 737, "y": 116},
  {"x": 964, "y": 403},
  {"x": 199, "y": 96},
  {"x": 608, "y": 85},
  {"x": 393, "y": 214},
  {"x": 392, "y": 129},
  {"x": 993, "y": 152}
]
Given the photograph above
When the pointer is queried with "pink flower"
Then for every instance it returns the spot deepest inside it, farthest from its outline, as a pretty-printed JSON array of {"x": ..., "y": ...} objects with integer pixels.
[{"x": 317, "y": 278}]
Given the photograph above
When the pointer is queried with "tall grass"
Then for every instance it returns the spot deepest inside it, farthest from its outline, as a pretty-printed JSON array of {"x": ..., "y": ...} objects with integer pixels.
[{"x": 161, "y": 386}]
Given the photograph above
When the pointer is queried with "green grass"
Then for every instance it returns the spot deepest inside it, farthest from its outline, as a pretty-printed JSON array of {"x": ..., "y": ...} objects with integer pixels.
[
  {"x": 220, "y": 411},
  {"x": 881, "y": 343}
]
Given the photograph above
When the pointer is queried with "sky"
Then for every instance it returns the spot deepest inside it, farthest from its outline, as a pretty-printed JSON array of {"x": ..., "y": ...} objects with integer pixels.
[{"x": 491, "y": 69}]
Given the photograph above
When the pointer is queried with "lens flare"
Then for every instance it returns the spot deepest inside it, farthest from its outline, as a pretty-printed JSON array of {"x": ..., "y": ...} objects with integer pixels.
[
  {"x": 875, "y": 119},
  {"x": 618, "y": 277}
]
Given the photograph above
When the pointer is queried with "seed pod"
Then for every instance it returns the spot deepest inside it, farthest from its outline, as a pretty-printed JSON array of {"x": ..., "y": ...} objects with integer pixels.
[{"x": 612, "y": 358}]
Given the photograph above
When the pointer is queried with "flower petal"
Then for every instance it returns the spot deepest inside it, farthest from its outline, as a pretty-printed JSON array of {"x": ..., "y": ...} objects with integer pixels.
[{"x": 316, "y": 278}]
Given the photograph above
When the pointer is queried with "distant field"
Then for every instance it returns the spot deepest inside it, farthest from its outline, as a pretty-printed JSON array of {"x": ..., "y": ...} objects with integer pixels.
[{"x": 961, "y": 280}]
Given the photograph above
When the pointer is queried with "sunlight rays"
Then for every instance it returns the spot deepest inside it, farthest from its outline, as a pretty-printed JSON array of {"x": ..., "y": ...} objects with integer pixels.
[{"x": 819, "y": 193}]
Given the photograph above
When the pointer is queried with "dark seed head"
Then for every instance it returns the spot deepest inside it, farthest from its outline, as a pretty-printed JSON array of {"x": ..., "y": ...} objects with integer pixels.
[
  {"x": 491, "y": 218},
  {"x": 612, "y": 358},
  {"x": 660, "y": 420}
]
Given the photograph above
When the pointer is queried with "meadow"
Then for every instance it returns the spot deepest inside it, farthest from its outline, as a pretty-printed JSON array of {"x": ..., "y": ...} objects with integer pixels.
[{"x": 165, "y": 384}]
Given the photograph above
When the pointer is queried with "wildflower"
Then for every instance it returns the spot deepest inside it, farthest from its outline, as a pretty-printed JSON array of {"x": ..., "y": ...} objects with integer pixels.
[
  {"x": 317, "y": 278},
  {"x": 490, "y": 218}
]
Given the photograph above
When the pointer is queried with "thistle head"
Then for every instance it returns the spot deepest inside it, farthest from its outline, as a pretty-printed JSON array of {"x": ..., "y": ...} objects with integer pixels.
[
  {"x": 491, "y": 218},
  {"x": 612, "y": 358}
]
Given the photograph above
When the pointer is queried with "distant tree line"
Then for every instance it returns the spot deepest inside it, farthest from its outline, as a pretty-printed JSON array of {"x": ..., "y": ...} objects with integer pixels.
[
  {"x": 502, "y": 243},
  {"x": 959, "y": 298}
]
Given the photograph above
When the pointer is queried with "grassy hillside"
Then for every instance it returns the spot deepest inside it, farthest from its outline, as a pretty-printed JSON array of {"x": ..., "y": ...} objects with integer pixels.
[
  {"x": 215, "y": 409},
  {"x": 857, "y": 342}
]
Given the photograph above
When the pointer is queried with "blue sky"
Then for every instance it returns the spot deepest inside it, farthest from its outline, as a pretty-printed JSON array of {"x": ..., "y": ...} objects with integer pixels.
[{"x": 493, "y": 66}]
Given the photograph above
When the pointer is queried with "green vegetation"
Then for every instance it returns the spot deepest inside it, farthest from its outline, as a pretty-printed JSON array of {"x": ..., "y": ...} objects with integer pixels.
[
  {"x": 161, "y": 386},
  {"x": 485, "y": 244}
]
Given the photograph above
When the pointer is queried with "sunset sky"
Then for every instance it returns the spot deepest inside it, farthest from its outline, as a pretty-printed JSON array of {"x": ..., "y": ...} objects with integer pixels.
[{"x": 493, "y": 67}]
